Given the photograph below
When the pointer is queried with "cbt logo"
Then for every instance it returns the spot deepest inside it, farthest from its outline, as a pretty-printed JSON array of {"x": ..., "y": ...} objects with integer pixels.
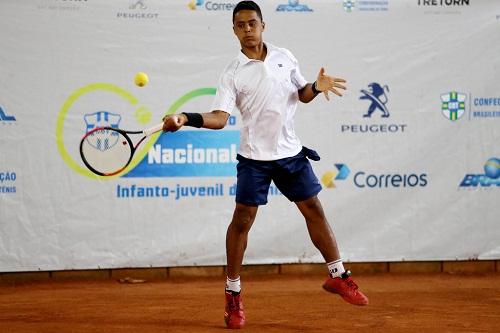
[
  {"x": 293, "y": 6},
  {"x": 349, "y": 5},
  {"x": 453, "y": 105},
  {"x": 367, "y": 6},
  {"x": 363, "y": 179},
  {"x": 491, "y": 176},
  {"x": 5, "y": 118},
  {"x": 376, "y": 95}
]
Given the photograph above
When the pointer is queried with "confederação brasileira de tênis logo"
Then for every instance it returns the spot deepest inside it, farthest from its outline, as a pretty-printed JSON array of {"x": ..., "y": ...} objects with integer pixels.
[{"x": 453, "y": 105}]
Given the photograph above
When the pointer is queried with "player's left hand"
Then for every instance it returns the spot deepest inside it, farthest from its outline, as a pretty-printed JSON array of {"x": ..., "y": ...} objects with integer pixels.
[{"x": 325, "y": 83}]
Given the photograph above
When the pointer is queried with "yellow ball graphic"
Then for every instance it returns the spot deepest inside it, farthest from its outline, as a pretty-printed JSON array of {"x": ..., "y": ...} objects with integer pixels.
[{"x": 141, "y": 79}]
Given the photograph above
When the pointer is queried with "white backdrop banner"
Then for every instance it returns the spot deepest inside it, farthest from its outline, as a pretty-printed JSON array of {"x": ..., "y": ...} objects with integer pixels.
[{"x": 410, "y": 162}]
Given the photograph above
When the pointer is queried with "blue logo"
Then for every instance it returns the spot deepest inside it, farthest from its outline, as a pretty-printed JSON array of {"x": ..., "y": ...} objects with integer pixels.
[
  {"x": 6, "y": 117},
  {"x": 376, "y": 94},
  {"x": 491, "y": 176},
  {"x": 102, "y": 140},
  {"x": 198, "y": 153},
  {"x": 293, "y": 6}
]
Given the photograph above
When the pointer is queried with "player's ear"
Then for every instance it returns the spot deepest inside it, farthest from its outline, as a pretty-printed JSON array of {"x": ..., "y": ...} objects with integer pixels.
[{"x": 263, "y": 26}]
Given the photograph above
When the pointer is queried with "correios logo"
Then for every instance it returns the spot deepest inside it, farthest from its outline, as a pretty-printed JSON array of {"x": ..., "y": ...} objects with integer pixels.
[
  {"x": 368, "y": 180},
  {"x": 211, "y": 5},
  {"x": 329, "y": 177},
  {"x": 490, "y": 177}
]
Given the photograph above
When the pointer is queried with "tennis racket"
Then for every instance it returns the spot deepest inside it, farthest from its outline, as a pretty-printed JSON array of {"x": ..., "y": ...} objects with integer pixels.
[{"x": 107, "y": 151}]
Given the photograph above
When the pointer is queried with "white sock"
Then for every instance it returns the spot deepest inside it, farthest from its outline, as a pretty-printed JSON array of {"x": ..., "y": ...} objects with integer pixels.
[
  {"x": 233, "y": 285},
  {"x": 336, "y": 268}
]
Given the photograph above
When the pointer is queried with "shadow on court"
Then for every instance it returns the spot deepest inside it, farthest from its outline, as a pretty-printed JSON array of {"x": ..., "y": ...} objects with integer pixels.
[{"x": 398, "y": 303}]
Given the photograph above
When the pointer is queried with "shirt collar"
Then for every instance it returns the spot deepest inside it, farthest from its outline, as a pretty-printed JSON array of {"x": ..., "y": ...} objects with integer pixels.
[{"x": 243, "y": 59}]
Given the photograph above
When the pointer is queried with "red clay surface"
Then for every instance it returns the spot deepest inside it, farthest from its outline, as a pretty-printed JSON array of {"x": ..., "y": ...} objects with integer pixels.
[{"x": 398, "y": 303}]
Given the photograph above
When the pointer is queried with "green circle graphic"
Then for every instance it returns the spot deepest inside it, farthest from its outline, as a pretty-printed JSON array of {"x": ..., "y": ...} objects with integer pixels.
[{"x": 133, "y": 101}]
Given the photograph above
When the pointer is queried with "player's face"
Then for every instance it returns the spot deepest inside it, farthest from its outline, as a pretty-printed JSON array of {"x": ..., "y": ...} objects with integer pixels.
[{"x": 248, "y": 28}]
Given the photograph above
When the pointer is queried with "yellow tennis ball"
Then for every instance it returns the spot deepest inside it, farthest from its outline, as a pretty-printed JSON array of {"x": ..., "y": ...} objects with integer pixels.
[{"x": 141, "y": 79}]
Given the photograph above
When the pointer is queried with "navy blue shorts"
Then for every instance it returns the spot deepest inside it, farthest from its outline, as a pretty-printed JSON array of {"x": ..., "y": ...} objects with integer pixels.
[{"x": 293, "y": 176}]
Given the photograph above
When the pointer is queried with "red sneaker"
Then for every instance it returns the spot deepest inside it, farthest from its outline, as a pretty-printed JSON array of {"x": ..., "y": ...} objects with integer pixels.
[
  {"x": 234, "y": 315},
  {"x": 346, "y": 288}
]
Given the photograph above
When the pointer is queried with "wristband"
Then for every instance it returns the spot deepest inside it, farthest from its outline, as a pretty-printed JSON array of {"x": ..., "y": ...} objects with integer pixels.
[
  {"x": 193, "y": 119},
  {"x": 314, "y": 90}
]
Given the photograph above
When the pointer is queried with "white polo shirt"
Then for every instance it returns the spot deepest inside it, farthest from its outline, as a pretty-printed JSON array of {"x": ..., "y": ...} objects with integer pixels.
[{"x": 266, "y": 93}]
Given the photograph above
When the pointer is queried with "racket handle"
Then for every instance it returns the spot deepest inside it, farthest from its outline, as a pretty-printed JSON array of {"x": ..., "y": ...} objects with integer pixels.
[{"x": 152, "y": 130}]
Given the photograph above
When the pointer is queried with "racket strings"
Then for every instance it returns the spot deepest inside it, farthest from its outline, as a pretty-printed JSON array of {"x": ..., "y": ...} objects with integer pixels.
[{"x": 106, "y": 151}]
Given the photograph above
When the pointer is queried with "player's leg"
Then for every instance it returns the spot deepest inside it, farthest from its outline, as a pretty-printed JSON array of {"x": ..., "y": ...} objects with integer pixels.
[
  {"x": 297, "y": 181},
  {"x": 319, "y": 230},
  {"x": 252, "y": 187},
  {"x": 237, "y": 238},
  {"x": 236, "y": 244},
  {"x": 339, "y": 281}
]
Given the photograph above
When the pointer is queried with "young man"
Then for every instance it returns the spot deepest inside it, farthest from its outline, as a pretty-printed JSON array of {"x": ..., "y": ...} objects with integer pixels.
[{"x": 265, "y": 84}]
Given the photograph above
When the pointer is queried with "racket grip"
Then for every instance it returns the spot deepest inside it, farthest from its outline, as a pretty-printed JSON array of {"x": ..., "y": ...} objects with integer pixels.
[{"x": 152, "y": 130}]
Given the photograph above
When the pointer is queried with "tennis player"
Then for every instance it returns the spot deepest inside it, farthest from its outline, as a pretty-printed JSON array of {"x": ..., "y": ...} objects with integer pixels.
[{"x": 264, "y": 82}]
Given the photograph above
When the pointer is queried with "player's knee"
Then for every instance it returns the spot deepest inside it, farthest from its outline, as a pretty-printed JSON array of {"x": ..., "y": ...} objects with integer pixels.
[{"x": 243, "y": 217}]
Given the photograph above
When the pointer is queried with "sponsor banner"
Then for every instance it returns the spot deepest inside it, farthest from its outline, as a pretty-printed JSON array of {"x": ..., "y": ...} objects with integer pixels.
[{"x": 411, "y": 146}]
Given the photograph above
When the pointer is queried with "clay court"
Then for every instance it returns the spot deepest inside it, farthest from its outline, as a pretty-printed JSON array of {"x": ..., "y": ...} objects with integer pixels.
[{"x": 439, "y": 302}]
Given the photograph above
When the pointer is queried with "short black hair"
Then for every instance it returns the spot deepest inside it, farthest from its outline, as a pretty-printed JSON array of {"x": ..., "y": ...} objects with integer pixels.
[{"x": 247, "y": 5}]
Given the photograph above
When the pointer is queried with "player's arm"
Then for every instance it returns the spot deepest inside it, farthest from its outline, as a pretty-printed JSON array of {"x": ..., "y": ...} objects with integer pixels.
[
  {"x": 216, "y": 119},
  {"x": 323, "y": 84}
]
